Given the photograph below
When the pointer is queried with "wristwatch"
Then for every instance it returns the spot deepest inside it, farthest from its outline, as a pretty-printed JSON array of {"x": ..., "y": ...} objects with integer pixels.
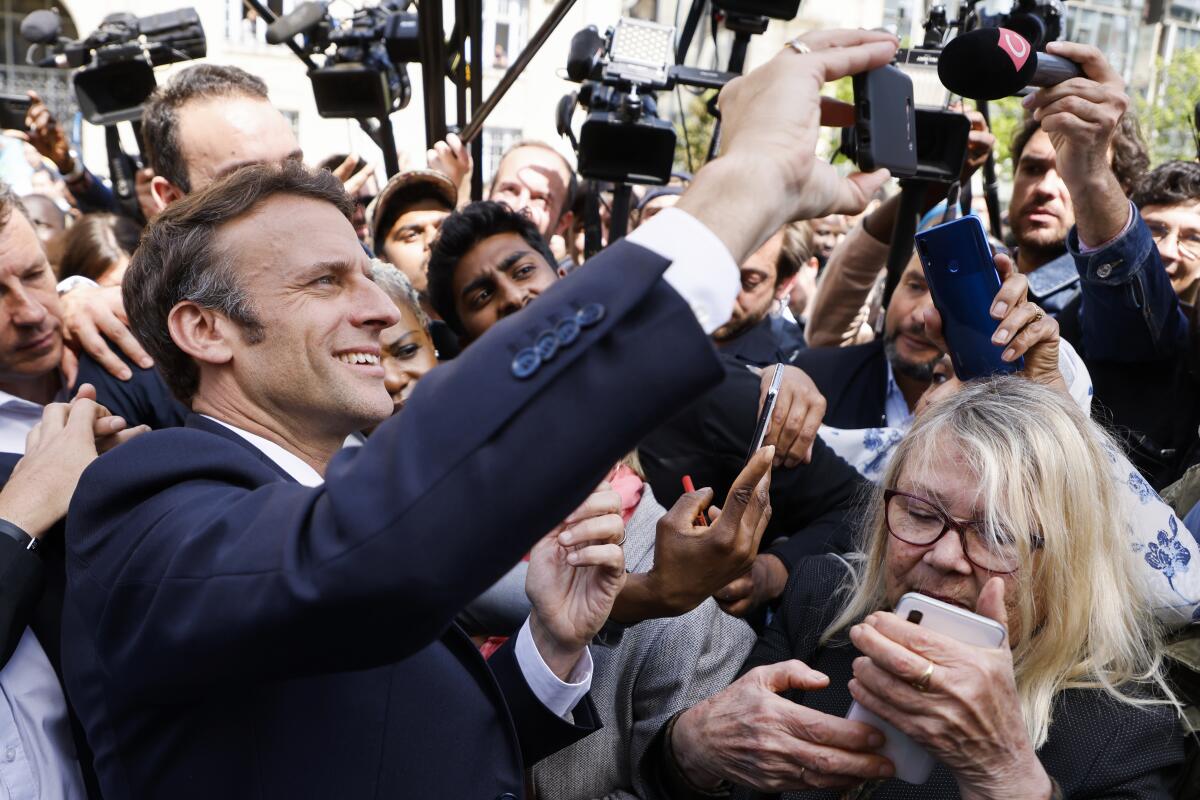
[
  {"x": 74, "y": 282},
  {"x": 17, "y": 533}
]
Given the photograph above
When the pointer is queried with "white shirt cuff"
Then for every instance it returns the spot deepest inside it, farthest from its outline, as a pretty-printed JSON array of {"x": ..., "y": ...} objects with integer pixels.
[
  {"x": 702, "y": 270},
  {"x": 557, "y": 696}
]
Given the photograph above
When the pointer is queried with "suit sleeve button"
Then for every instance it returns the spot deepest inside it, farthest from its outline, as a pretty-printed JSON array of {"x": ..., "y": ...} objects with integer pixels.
[
  {"x": 546, "y": 345},
  {"x": 589, "y": 315},
  {"x": 567, "y": 332},
  {"x": 525, "y": 363}
]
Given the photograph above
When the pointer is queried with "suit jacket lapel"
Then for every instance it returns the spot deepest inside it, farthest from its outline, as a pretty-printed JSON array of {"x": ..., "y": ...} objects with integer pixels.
[{"x": 205, "y": 424}]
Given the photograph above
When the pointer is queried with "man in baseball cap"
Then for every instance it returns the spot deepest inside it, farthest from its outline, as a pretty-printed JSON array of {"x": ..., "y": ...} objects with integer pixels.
[{"x": 405, "y": 219}]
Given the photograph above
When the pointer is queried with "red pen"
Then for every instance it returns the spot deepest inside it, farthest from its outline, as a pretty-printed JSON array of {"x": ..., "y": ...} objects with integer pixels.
[{"x": 689, "y": 487}]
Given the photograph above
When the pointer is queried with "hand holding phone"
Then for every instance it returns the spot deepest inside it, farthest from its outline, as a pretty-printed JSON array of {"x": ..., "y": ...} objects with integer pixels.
[
  {"x": 913, "y": 764},
  {"x": 963, "y": 281}
]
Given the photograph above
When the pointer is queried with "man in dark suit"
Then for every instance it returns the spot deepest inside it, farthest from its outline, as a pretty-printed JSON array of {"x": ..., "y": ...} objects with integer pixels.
[
  {"x": 252, "y": 612},
  {"x": 878, "y": 384}
]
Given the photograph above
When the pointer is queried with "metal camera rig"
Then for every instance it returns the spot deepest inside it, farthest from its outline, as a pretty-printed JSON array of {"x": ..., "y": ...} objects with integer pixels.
[
  {"x": 622, "y": 139},
  {"x": 1040, "y": 22},
  {"x": 114, "y": 73}
]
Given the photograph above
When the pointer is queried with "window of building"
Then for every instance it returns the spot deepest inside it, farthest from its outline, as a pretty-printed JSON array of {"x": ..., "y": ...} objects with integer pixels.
[
  {"x": 505, "y": 25},
  {"x": 495, "y": 142},
  {"x": 243, "y": 25},
  {"x": 16, "y": 77}
]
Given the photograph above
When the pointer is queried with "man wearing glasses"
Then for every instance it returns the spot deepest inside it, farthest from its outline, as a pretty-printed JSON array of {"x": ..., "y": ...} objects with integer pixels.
[{"x": 1169, "y": 202}]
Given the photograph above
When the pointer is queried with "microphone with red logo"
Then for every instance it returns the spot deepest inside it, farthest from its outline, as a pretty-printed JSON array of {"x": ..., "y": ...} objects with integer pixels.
[{"x": 990, "y": 63}]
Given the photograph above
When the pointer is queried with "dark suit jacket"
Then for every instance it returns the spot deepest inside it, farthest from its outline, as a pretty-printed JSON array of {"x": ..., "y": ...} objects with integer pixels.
[
  {"x": 144, "y": 399},
  {"x": 853, "y": 380},
  {"x": 229, "y": 633},
  {"x": 811, "y": 504}
]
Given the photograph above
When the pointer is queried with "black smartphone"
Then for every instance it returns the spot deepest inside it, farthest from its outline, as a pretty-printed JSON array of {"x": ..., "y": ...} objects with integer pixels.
[
  {"x": 13, "y": 108},
  {"x": 885, "y": 125},
  {"x": 764, "y": 417},
  {"x": 963, "y": 281}
]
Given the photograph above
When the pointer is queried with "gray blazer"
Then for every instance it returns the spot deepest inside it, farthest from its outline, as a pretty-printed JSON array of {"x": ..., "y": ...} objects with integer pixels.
[{"x": 659, "y": 668}]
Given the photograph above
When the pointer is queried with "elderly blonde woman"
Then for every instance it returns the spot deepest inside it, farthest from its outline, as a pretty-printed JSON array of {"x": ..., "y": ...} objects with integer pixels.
[{"x": 1000, "y": 500}]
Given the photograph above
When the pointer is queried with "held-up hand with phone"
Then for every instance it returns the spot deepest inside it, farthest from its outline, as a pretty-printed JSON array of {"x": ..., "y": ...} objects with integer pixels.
[
  {"x": 965, "y": 711},
  {"x": 1028, "y": 331}
]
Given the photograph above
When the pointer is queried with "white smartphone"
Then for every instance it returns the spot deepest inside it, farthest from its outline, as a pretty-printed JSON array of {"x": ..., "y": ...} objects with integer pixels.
[{"x": 913, "y": 764}]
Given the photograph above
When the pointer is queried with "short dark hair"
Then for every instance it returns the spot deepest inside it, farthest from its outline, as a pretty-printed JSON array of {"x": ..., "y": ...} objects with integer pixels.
[
  {"x": 160, "y": 118},
  {"x": 178, "y": 259},
  {"x": 95, "y": 243},
  {"x": 572, "y": 182},
  {"x": 796, "y": 251},
  {"x": 1169, "y": 184},
  {"x": 1130, "y": 160},
  {"x": 461, "y": 232}
]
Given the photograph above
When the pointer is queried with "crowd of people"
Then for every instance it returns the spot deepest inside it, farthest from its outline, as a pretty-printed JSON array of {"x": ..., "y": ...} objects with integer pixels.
[{"x": 318, "y": 486}]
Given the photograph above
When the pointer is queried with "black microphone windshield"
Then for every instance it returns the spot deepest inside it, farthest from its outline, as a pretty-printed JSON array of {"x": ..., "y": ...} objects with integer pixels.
[
  {"x": 987, "y": 64},
  {"x": 40, "y": 27},
  {"x": 298, "y": 21}
]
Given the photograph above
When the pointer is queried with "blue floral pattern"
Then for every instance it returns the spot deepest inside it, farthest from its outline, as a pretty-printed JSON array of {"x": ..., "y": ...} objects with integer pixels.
[
  {"x": 1140, "y": 488},
  {"x": 1170, "y": 556}
]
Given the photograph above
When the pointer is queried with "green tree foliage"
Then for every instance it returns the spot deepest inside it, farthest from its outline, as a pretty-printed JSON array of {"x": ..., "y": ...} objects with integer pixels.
[
  {"x": 1166, "y": 118},
  {"x": 699, "y": 129}
]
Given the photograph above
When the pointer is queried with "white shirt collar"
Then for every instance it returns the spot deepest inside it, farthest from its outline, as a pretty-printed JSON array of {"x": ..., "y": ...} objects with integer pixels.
[
  {"x": 10, "y": 402},
  {"x": 300, "y": 472}
]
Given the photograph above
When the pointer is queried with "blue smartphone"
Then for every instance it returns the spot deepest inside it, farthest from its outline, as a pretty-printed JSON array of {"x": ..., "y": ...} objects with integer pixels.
[{"x": 963, "y": 280}]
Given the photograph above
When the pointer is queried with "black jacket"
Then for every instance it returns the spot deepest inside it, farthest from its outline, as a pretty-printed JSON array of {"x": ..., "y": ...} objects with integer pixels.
[
  {"x": 853, "y": 380},
  {"x": 230, "y": 633}
]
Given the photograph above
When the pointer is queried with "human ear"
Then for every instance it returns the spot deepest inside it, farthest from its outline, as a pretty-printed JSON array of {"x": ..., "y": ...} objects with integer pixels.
[{"x": 201, "y": 333}]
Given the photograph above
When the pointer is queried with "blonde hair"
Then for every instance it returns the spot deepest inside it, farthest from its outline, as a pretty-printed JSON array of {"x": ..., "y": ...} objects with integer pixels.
[{"x": 1043, "y": 470}]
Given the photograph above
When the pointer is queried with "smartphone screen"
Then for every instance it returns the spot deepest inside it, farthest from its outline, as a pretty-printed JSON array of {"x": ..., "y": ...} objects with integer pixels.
[
  {"x": 963, "y": 281},
  {"x": 12, "y": 111}
]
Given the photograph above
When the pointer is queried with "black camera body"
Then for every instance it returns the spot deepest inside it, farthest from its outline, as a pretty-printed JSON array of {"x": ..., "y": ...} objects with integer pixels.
[
  {"x": 115, "y": 64},
  {"x": 364, "y": 73},
  {"x": 623, "y": 140}
]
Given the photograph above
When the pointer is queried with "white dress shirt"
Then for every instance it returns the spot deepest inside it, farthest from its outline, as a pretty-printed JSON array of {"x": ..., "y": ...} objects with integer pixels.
[
  {"x": 556, "y": 695},
  {"x": 17, "y": 418},
  {"x": 702, "y": 270},
  {"x": 37, "y": 754}
]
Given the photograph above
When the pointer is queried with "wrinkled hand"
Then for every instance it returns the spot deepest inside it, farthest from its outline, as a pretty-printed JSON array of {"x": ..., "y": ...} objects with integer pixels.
[
  {"x": 799, "y": 410},
  {"x": 773, "y": 115},
  {"x": 1023, "y": 326},
  {"x": 452, "y": 158},
  {"x": 969, "y": 718},
  {"x": 690, "y": 561},
  {"x": 89, "y": 314},
  {"x": 751, "y": 736},
  {"x": 57, "y": 451},
  {"x": 762, "y": 584},
  {"x": 575, "y": 574},
  {"x": 353, "y": 181},
  {"x": 47, "y": 136}
]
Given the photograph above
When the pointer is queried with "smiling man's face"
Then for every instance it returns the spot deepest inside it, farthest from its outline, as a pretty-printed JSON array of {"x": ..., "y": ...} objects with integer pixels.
[{"x": 317, "y": 360}]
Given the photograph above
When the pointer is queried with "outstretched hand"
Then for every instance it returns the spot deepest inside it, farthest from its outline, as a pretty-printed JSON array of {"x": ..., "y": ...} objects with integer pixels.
[{"x": 575, "y": 574}]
